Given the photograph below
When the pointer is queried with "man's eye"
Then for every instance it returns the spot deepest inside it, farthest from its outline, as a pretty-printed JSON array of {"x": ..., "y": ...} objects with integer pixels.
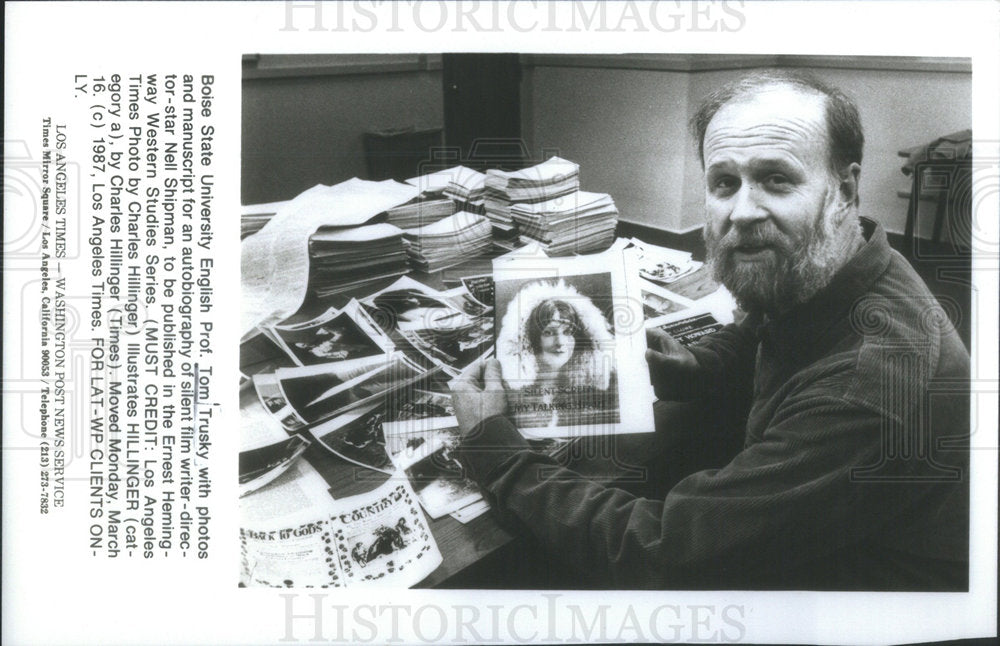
[
  {"x": 725, "y": 184},
  {"x": 777, "y": 181}
]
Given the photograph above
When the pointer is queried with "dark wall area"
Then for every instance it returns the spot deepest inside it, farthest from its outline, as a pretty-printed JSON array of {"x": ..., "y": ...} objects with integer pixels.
[{"x": 304, "y": 125}]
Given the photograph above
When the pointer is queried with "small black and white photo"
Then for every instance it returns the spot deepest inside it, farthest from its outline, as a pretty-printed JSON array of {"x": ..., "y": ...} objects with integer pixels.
[
  {"x": 310, "y": 390},
  {"x": 480, "y": 287},
  {"x": 316, "y": 393},
  {"x": 439, "y": 481},
  {"x": 658, "y": 302},
  {"x": 269, "y": 392},
  {"x": 356, "y": 437},
  {"x": 426, "y": 456},
  {"x": 452, "y": 348},
  {"x": 416, "y": 411},
  {"x": 410, "y": 305},
  {"x": 430, "y": 325},
  {"x": 337, "y": 338}
]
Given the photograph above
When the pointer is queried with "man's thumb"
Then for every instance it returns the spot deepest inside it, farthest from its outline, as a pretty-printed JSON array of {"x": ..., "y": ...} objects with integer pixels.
[{"x": 492, "y": 377}]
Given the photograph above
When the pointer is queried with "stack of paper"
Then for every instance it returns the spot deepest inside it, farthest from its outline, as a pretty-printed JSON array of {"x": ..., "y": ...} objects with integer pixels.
[
  {"x": 539, "y": 183},
  {"x": 275, "y": 264},
  {"x": 420, "y": 212},
  {"x": 449, "y": 241},
  {"x": 580, "y": 222},
  {"x": 467, "y": 188},
  {"x": 344, "y": 259}
]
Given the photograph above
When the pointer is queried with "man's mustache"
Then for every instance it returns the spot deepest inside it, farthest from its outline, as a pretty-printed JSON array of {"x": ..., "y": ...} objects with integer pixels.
[{"x": 763, "y": 234}]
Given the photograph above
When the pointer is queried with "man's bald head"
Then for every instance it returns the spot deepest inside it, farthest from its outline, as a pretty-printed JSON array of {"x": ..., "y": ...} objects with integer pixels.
[{"x": 845, "y": 137}]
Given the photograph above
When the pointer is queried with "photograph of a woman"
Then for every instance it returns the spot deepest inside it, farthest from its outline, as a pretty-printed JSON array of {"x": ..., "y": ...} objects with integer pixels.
[{"x": 556, "y": 353}]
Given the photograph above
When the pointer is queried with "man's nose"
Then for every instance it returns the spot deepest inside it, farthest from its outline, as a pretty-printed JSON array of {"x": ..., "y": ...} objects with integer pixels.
[{"x": 747, "y": 207}]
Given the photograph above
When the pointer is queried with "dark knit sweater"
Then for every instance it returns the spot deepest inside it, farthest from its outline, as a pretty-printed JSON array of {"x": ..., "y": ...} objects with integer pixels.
[{"x": 854, "y": 473}]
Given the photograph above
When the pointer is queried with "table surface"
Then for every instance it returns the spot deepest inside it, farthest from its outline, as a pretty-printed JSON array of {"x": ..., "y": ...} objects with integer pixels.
[{"x": 605, "y": 459}]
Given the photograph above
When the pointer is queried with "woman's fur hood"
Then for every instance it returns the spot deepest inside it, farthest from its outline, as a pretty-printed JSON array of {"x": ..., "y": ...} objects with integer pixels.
[{"x": 513, "y": 349}]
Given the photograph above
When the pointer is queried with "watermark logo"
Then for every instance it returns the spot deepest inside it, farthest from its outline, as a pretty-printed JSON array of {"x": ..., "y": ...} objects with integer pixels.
[
  {"x": 918, "y": 409},
  {"x": 953, "y": 193},
  {"x": 475, "y": 16},
  {"x": 549, "y": 618}
]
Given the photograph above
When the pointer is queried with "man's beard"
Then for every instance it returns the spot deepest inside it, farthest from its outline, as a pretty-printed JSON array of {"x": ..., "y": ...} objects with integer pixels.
[{"x": 792, "y": 273}]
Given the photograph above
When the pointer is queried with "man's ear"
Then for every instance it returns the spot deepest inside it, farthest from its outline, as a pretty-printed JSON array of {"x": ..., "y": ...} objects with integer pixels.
[{"x": 848, "y": 186}]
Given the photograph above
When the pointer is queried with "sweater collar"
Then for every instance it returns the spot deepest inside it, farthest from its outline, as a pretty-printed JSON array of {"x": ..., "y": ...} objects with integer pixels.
[{"x": 806, "y": 328}]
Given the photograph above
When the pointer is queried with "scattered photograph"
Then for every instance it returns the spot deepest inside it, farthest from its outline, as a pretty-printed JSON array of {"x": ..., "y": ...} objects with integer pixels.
[
  {"x": 423, "y": 410},
  {"x": 436, "y": 475},
  {"x": 465, "y": 301},
  {"x": 410, "y": 305},
  {"x": 440, "y": 487},
  {"x": 338, "y": 336},
  {"x": 269, "y": 392},
  {"x": 356, "y": 437},
  {"x": 316, "y": 393},
  {"x": 408, "y": 446},
  {"x": 480, "y": 287},
  {"x": 453, "y": 348},
  {"x": 661, "y": 264},
  {"x": 260, "y": 466},
  {"x": 429, "y": 326},
  {"x": 260, "y": 353},
  {"x": 658, "y": 301}
]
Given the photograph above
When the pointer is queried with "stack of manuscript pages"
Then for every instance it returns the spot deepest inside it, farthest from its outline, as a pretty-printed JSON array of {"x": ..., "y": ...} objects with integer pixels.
[
  {"x": 467, "y": 187},
  {"x": 540, "y": 183},
  {"x": 320, "y": 241},
  {"x": 448, "y": 242},
  {"x": 424, "y": 210},
  {"x": 347, "y": 259},
  {"x": 579, "y": 222},
  {"x": 464, "y": 186}
]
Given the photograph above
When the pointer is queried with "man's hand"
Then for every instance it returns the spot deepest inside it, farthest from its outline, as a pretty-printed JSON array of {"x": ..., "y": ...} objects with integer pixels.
[
  {"x": 477, "y": 394},
  {"x": 670, "y": 363}
]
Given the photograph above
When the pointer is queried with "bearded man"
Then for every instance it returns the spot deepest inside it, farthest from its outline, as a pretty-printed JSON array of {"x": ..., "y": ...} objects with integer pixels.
[{"x": 849, "y": 386}]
